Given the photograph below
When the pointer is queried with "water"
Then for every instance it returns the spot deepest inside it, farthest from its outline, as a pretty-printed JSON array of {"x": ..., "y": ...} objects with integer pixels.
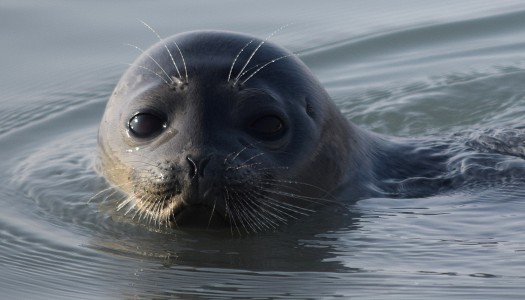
[{"x": 404, "y": 68}]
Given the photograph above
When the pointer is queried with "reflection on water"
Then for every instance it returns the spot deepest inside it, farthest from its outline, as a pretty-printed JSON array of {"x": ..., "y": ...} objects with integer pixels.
[{"x": 449, "y": 71}]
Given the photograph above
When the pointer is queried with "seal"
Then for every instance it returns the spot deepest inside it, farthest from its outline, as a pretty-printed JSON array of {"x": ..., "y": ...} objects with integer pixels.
[{"x": 215, "y": 128}]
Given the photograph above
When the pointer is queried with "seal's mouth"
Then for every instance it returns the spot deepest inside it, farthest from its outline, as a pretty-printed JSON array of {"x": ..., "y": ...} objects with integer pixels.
[{"x": 199, "y": 216}]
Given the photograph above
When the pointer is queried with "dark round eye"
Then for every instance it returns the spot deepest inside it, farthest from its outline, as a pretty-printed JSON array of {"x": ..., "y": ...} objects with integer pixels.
[
  {"x": 146, "y": 125},
  {"x": 267, "y": 126}
]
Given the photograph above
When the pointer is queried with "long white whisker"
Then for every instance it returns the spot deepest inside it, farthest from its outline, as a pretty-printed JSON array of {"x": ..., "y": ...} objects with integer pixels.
[
  {"x": 264, "y": 66},
  {"x": 294, "y": 196},
  {"x": 255, "y": 51},
  {"x": 124, "y": 203},
  {"x": 328, "y": 197},
  {"x": 148, "y": 69},
  {"x": 212, "y": 212},
  {"x": 111, "y": 188},
  {"x": 253, "y": 157},
  {"x": 248, "y": 166},
  {"x": 229, "y": 211},
  {"x": 132, "y": 207},
  {"x": 284, "y": 205},
  {"x": 252, "y": 211},
  {"x": 165, "y": 46},
  {"x": 250, "y": 69},
  {"x": 154, "y": 60},
  {"x": 236, "y": 215},
  {"x": 260, "y": 203},
  {"x": 235, "y": 59},
  {"x": 235, "y": 155},
  {"x": 183, "y": 60}
]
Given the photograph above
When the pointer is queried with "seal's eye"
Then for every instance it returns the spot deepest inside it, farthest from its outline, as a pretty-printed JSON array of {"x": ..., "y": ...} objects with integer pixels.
[
  {"x": 267, "y": 126},
  {"x": 146, "y": 125}
]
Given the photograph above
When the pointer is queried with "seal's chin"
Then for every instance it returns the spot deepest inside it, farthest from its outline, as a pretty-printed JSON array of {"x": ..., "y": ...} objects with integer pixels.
[{"x": 198, "y": 216}]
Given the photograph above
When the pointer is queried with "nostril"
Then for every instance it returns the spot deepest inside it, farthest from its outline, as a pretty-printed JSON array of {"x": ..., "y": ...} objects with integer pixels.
[
  {"x": 193, "y": 167},
  {"x": 197, "y": 168},
  {"x": 203, "y": 165}
]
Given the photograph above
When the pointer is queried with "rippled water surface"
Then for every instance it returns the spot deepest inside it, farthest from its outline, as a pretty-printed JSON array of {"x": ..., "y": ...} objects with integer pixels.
[{"x": 443, "y": 70}]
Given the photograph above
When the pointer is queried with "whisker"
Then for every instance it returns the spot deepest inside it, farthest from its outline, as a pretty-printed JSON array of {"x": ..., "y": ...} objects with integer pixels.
[
  {"x": 123, "y": 203},
  {"x": 235, "y": 59},
  {"x": 114, "y": 188},
  {"x": 153, "y": 59},
  {"x": 235, "y": 156},
  {"x": 248, "y": 70},
  {"x": 265, "y": 65},
  {"x": 167, "y": 224},
  {"x": 229, "y": 212},
  {"x": 228, "y": 157},
  {"x": 172, "y": 215},
  {"x": 165, "y": 46},
  {"x": 150, "y": 70},
  {"x": 137, "y": 211},
  {"x": 251, "y": 211},
  {"x": 248, "y": 166},
  {"x": 284, "y": 205},
  {"x": 253, "y": 157},
  {"x": 271, "y": 168},
  {"x": 183, "y": 61},
  {"x": 300, "y": 197},
  {"x": 211, "y": 214},
  {"x": 255, "y": 51},
  {"x": 132, "y": 207},
  {"x": 283, "y": 182},
  {"x": 111, "y": 188},
  {"x": 240, "y": 216},
  {"x": 260, "y": 204},
  {"x": 159, "y": 210}
]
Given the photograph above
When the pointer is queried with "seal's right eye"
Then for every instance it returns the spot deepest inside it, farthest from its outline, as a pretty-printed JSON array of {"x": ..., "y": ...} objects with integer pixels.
[
  {"x": 267, "y": 127},
  {"x": 146, "y": 125}
]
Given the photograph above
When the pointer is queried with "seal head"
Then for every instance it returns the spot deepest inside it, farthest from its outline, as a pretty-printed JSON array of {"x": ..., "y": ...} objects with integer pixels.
[{"x": 214, "y": 128}]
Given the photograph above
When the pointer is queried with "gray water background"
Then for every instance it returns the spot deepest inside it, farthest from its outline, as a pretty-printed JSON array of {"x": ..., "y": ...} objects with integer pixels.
[{"x": 404, "y": 68}]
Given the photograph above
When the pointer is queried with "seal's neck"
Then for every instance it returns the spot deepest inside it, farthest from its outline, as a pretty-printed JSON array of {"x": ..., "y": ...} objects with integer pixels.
[{"x": 384, "y": 166}]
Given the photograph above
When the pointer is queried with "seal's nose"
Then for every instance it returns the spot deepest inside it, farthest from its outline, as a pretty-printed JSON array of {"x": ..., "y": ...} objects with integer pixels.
[{"x": 202, "y": 181}]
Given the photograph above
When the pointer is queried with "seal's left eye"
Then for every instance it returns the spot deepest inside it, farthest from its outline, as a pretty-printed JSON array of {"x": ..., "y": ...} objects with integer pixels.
[{"x": 146, "y": 125}]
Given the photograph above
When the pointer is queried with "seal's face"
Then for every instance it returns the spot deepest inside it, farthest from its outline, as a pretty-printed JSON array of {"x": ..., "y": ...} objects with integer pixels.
[{"x": 221, "y": 128}]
